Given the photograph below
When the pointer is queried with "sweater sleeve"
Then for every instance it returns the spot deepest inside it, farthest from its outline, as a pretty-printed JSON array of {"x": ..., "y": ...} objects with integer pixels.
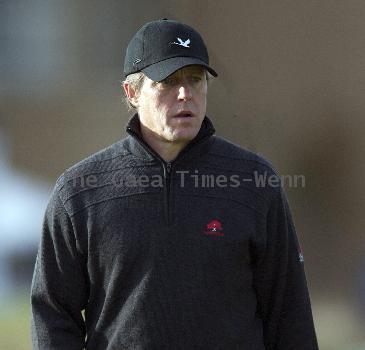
[
  {"x": 59, "y": 290},
  {"x": 280, "y": 283}
]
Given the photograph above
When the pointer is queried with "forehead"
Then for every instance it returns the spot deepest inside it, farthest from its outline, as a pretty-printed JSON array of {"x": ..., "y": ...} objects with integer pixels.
[
  {"x": 195, "y": 69},
  {"x": 179, "y": 74}
]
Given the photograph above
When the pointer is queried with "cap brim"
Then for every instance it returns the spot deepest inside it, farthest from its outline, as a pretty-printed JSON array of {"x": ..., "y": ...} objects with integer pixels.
[{"x": 161, "y": 70}]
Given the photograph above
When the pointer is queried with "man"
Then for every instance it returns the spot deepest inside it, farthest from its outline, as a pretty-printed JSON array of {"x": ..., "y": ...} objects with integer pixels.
[{"x": 164, "y": 238}]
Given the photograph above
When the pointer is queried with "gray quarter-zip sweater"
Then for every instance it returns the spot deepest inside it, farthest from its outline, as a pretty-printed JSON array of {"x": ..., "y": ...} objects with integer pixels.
[{"x": 200, "y": 253}]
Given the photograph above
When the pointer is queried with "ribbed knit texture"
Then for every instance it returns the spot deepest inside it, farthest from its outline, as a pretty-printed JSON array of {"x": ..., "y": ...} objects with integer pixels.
[{"x": 151, "y": 274}]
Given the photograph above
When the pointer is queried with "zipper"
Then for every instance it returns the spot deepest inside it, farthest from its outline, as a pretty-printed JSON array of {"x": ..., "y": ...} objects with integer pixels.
[
  {"x": 167, "y": 167},
  {"x": 167, "y": 175}
]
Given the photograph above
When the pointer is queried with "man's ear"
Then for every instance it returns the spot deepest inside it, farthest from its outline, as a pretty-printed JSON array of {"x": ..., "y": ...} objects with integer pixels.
[{"x": 131, "y": 94}]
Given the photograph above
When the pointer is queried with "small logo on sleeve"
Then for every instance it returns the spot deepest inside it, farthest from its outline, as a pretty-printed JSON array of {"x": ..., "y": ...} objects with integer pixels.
[{"x": 214, "y": 228}]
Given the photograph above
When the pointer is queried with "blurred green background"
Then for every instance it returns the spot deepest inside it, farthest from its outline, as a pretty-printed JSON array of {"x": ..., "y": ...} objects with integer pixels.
[
  {"x": 291, "y": 87},
  {"x": 14, "y": 323}
]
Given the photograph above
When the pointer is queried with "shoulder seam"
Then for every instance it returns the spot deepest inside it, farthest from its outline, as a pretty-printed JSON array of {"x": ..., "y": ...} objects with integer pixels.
[{"x": 243, "y": 159}]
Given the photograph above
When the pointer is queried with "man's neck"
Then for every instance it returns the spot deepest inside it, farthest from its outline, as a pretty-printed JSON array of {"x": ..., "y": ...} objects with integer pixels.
[{"x": 168, "y": 151}]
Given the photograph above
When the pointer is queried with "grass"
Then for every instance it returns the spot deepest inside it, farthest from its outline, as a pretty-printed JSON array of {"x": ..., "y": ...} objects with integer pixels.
[{"x": 15, "y": 323}]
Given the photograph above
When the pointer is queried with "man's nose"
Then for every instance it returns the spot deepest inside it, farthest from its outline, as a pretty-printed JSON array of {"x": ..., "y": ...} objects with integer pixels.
[{"x": 185, "y": 92}]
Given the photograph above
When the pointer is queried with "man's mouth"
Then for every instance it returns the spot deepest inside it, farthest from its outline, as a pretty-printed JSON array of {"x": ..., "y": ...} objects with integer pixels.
[{"x": 184, "y": 114}]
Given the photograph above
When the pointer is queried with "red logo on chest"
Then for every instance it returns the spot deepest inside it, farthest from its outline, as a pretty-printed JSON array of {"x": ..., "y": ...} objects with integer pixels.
[{"x": 214, "y": 228}]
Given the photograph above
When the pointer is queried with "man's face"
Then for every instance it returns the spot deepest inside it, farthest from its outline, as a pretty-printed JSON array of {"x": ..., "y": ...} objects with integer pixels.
[{"x": 173, "y": 110}]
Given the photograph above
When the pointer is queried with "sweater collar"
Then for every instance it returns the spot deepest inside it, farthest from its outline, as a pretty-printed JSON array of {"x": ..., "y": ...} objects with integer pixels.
[{"x": 140, "y": 148}]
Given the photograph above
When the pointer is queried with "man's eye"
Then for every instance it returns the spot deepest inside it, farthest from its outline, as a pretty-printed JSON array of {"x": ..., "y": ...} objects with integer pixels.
[
  {"x": 196, "y": 79},
  {"x": 168, "y": 81}
]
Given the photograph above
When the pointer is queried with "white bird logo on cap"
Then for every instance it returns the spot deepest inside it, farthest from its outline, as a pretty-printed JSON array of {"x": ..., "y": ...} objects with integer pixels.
[{"x": 182, "y": 42}]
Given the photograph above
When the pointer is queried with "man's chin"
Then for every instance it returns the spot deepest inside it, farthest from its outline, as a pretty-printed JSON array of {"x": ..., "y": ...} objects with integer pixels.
[{"x": 184, "y": 136}]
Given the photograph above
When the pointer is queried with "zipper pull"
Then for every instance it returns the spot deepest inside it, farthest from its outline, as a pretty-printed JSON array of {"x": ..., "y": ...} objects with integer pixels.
[{"x": 168, "y": 167}]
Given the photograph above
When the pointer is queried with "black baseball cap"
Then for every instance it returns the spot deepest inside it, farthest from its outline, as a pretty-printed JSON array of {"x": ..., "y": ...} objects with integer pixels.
[{"x": 160, "y": 48}]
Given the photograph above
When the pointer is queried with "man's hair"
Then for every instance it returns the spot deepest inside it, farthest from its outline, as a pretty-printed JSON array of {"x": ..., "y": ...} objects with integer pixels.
[{"x": 136, "y": 80}]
